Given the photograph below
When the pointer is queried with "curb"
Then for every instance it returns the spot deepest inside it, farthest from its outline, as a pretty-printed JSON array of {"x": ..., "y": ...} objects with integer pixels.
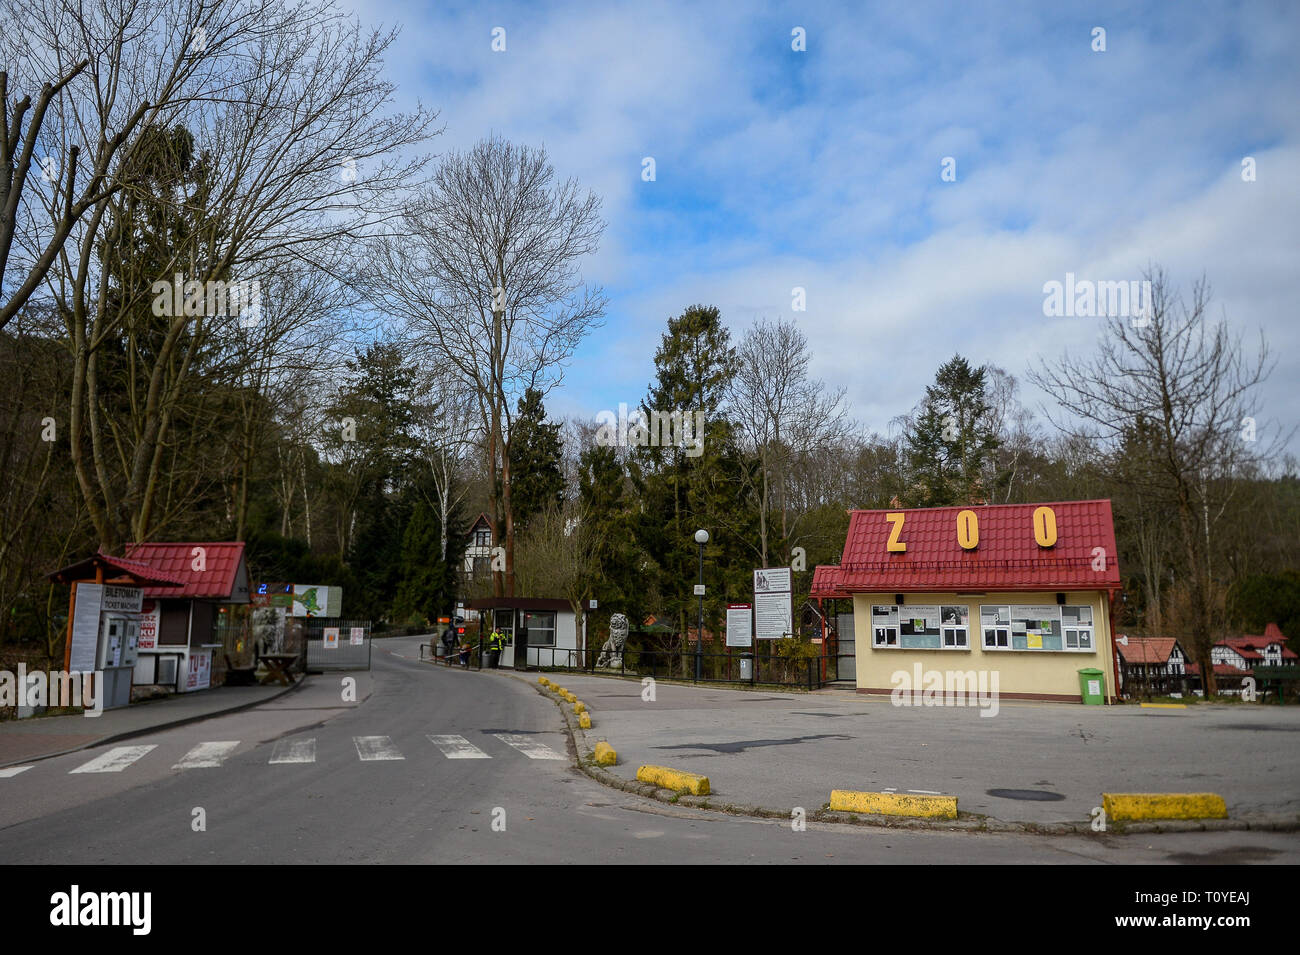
[
  {"x": 965, "y": 822},
  {"x": 144, "y": 730}
]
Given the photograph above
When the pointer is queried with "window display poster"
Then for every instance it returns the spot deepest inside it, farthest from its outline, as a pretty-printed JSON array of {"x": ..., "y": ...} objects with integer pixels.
[
  {"x": 1036, "y": 627},
  {"x": 331, "y": 638},
  {"x": 151, "y": 617},
  {"x": 200, "y": 675},
  {"x": 918, "y": 627}
]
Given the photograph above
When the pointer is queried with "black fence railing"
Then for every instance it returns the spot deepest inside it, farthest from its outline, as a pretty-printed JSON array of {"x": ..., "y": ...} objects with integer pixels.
[{"x": 755, "y": 669}]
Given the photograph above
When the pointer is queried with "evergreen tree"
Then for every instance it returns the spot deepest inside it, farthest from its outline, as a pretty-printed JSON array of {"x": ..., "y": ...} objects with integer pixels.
[
  {"x": 536, "y": 478},
  {"x": 692, "y": 484},
  {"x": 950, "y": 443}
]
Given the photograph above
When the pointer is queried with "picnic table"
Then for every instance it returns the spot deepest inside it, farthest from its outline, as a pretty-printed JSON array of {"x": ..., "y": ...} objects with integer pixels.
[{"x": 277, "y": 667}]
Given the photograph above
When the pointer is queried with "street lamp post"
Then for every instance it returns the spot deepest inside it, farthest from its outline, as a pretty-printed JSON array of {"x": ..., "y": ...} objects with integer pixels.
[{"x": 701, "y": 538}]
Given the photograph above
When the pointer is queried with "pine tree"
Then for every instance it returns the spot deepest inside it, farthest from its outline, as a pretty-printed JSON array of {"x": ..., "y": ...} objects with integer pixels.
[
  {"x": 536, "y": 478},
  {"x": 951, "y": 442}
]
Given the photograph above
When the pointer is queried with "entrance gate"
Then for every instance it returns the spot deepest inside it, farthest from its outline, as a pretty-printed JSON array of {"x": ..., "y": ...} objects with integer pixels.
[{"x": 845, "y": 657}]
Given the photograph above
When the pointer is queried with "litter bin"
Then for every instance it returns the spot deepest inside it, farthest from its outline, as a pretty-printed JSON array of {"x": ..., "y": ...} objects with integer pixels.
[
  {"x": 1092, "y": 686},
  {"x": 746, "y": 667}
]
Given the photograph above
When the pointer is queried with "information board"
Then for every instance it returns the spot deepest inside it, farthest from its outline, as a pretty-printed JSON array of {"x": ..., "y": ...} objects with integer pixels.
[
  {"x": 85, "y": 628},
  {"x": 740, "y": 624}
]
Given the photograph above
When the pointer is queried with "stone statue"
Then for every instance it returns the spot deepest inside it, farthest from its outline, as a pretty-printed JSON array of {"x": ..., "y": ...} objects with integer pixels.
[
  {"x": 611, "y": 654},
  {"x": 268, "y": 635}
]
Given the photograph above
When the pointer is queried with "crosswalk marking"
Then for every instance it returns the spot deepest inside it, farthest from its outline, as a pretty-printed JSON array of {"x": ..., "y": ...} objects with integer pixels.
[
  {"x": 115, "y": 760},
  {"x": 207, "y": 755},
  {"x": 294, "y": 751},
  {"x": 458, "y": 747},
  {"x": 529, "y": 747},
  {"x": 376, "y": 747},
  {"x": 13, "y": 771}
]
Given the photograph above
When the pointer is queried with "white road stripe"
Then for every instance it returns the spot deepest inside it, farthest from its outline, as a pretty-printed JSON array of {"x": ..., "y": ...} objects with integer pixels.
[
  {"x": 376, "y": 747},
  {"x": 207, "y": 755},
  {"x": 529, "y": 747},
  {"x": 926, "y": 792},
  {"x": 13, "y": 771},
  {"x": 458, "y": 747},
  {"x": 115, "y": 760},
  {"x": 294, "y": 751}
]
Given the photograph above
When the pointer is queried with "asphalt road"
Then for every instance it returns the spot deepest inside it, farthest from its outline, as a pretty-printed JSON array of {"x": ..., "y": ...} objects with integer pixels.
[{"x": 497, "y": 784}]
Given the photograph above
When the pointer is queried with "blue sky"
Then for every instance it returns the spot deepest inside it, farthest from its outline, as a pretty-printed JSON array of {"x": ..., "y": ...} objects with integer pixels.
[{"x": 821, "y": 169}]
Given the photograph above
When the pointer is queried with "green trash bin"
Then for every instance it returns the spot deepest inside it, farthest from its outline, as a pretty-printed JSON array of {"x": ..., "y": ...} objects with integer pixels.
[{"x": 1092, "y": 686}]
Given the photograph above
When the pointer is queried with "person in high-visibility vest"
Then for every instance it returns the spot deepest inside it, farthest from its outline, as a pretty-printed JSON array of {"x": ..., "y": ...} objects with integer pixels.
[{"x": 495, "y": 642}]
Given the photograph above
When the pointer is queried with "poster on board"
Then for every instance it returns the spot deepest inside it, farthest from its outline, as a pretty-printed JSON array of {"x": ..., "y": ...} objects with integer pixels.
[
  {"x": 200, "y": 673},
  {"x": 740, "y": 625},
  {"x": 84, "y": 651},
  {"x": 331, "y": 638},
  {"x": 358, "y": 636}
]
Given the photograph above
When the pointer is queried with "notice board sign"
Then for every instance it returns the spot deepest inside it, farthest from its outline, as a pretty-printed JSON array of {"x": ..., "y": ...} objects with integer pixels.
[
  {"x": 773, "y": 617},
  {"x": 151, "y": 617},
  {"x": 358, "y": 636},
  {"x": 84, "y": 651},
  {"x": 740, "y": 625},
  {"x": 121, "y": 599},
  {"x": 330, "y": 638}
]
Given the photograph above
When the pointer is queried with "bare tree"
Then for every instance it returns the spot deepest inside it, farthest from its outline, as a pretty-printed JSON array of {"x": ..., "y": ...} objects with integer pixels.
[
  {"x": 446, "y": 422},
  {"x": 1183, "y": 390},
  {"x": 268, "y": 157},
  {"x": 486, "y": 271},
  {"x": 782, "y": 414}
]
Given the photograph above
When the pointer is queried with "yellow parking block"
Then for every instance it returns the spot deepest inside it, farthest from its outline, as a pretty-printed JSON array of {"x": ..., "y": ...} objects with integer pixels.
[
  {"x": 1164, "y": 806},
  {"x": 604, "y": 754},
  {"x": 580, "y": 707},
  {"x": 584, "y": 720},
  {"x": 894, "y": 804},
  {"x": 543, "y": 681},
  {"x": 674, "y": 779},
  {"x": 1163, "y": 706}
]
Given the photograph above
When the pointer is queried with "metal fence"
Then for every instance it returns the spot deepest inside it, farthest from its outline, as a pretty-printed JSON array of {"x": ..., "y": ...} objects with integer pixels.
[
  {"x": 337, "y": 644},
  {"x": 736, "y": 667}
]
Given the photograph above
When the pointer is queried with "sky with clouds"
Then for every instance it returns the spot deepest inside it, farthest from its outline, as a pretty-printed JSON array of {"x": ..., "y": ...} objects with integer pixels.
[{"x": 821, "y": 169}]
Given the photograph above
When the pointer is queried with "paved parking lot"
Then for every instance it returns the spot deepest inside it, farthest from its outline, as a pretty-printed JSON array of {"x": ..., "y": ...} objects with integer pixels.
[{"x": 1031, "y": 762}]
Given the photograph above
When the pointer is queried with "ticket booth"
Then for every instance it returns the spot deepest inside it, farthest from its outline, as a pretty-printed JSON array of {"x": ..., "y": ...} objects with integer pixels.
[{"x": 104, "y": 616}]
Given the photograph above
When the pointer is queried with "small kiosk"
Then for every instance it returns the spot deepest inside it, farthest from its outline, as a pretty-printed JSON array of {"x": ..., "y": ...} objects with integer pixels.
[
  {"x": 104, "y": 619},
  {"x": 1023, "y": 592}
]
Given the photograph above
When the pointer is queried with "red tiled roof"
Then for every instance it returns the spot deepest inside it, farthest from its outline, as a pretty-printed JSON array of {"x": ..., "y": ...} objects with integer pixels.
[
  {"x": 1146, "y": 650},
  {"x": 1220, "y": 669},
  {"x": 118, "y": 568},
  {"x": 826, "y": 582},
  {"x": 1007, "y": 557},
  {"x": 221, "y": 562}
]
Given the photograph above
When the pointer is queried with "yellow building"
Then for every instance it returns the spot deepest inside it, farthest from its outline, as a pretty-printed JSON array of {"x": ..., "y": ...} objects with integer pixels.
[{"x": 1016, "y": 598}]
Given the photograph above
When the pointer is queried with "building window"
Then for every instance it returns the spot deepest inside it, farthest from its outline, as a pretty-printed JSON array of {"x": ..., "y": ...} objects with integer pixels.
[
  {"x": 1078, "y": 627},
  {"x": 996, "y": 624},
  {"x": 504, "y": 620},
  {"x": 884, "y": 626},
  {"x": 481, "y": 566},
  {"x": 541, "y": 629},
  {"x": 483, "y": 537},
  {"x": 956, "y": 627}
]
